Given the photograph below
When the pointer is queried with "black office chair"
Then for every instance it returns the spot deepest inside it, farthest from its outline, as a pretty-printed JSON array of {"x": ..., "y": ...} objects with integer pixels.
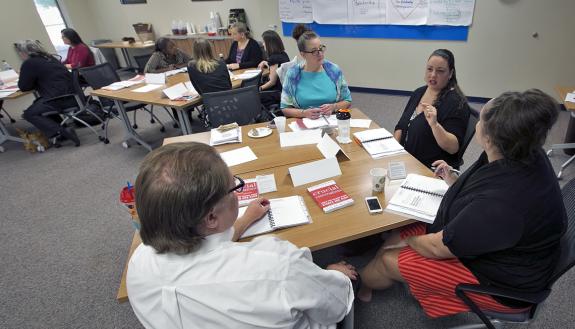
[
  {"x": 102, "y": 75},
  {"x": 254, "y": 81},
  {"x": 141, "y": 61},
  {"x": 240, "y": 105},
  {"x": 566, "y": 261},
  {"x": 2, "y": 109},
  {"x": 469, "y": 133},
  {"x": 80, "y": 106}
]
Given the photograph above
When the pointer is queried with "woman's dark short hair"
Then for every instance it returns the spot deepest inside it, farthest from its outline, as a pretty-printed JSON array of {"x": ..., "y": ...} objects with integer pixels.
[
  {"x": 176, "y": 188},
  {"x": 72, "y": 35},
  {"x": 274, "y": 44},
  {"x": 517, "y": 123},
  {"x": 162, "y": 44},
  {"x": 298, "y": 30},
  {"x": 304, "y": 38}
]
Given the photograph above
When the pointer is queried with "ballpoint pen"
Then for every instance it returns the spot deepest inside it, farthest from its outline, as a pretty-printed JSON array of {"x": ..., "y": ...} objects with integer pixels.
[{"x": 455, "y": 171}]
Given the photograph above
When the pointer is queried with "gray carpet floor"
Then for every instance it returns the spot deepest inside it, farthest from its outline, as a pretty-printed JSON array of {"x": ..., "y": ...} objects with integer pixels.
[{"x": 64, "y": 235}]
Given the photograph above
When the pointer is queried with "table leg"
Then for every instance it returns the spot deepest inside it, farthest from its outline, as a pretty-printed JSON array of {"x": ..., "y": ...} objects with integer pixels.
[
  {"x": 130, "y": 133},
  {"x": 184, "y": 121}
]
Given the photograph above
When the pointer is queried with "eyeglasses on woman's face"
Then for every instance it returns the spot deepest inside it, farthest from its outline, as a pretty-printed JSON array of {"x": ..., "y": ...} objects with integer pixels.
[
  {"x": 315, "y": 52},
  {"x": 238, "y": 185}
]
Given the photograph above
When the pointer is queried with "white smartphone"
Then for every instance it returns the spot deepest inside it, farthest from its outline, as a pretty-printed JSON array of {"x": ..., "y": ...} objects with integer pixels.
[{"x": 373, "y": 205}]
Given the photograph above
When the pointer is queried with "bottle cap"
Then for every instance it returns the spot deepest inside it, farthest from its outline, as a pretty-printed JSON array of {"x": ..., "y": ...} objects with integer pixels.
[{"x": 343, "y": 114}]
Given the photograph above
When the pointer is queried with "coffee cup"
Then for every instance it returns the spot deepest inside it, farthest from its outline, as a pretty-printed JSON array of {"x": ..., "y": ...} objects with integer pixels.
[{"x": 378, "y": 179}]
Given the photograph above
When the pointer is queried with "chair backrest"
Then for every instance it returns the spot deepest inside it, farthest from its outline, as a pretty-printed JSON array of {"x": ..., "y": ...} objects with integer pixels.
[
  {"x": 240, "y": 105},
  {"x": 108, "y": 53},
  {"x": 98, "y": 76},
  {"x": 141, "y": 61},
  {"x": 99, "y": 58},
  {"x": 77, "y": 87},
  {"x": 469, "y": 133},
  {"x": 567, "y": 258},
  {"x": 255, "y": 81}
]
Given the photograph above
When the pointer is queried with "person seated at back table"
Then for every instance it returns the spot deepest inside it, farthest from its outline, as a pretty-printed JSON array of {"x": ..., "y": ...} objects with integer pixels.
[
  {"x": 245, "y": 52},
  {"x": 281, "y": 71},
  {"x": 499, "y": 224},
  {"x": 44, "y": 73},
  {"x": 190, "y": 273},
  {"x": 276, "y": 57},
  {"x": 435, "y": 118},
  {"x": 166, "y": 57},
  {"x": 316, "y": 87},
  {"x": 206, "y": 73},
  {"x": 79, "y": 54}
]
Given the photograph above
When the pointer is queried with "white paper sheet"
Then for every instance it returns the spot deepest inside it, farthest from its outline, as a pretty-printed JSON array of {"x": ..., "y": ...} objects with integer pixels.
[
  {"x": 296, "y": 11},
  {"x": 247, "y": 74},
  {"x": 322, "y": 121},
  {"x": 303, "y": 137},
  {"x": 156, "y": 78},
  {"x": 360, "y": 123},
  {"x": 295, "y": 127},
  {"x": 238, "y": 156},
  {"x": 366, "y": 11},
  {"x": 6, "y": 93},
  {"x": 450, "y": 12},
  {"x": 8, "y": 75},
  {"x": 407, "y": 12},
  {"x": 314, "y": 171},
  {"x": 146, "y": 88},
  {"x": 176, "y": 71},
  {"x": 330, "y": 11},
  {"x": 570, "y": 97},
  {"x": 266, "y": 183}
]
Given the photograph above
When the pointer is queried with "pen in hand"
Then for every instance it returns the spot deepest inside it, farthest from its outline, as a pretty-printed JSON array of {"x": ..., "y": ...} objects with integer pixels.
[{"x": 455, "y": 171}]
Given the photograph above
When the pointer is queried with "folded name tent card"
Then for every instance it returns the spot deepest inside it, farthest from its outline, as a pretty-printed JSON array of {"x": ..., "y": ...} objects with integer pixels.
[
  {"x": 330, "y": 149},
  {"x": 303, "y": 137},
  {"x": 314, "y": 171},
  {"x": 147, "y": 88},
  {"x": 360, "y": 123},
  {"x": 156, "y": 78},
  {"x": 179, "y": 91}
]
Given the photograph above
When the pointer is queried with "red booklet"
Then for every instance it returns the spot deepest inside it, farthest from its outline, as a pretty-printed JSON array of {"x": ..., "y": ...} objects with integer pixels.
[
  {"x": 249, "y": 192},
  {"x": 329, "y": 196}
]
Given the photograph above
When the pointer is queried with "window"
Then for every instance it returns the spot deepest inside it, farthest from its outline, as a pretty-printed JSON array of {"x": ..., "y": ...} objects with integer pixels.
[{"x": 53, "y": 20}]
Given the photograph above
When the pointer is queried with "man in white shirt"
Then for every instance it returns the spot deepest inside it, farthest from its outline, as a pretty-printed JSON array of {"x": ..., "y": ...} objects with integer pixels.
[{"x": 189, "y": 273}]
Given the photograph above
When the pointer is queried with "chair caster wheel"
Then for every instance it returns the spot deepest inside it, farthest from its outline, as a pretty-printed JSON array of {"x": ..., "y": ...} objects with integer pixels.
[
  {"x": 152, "y": 121},
  {"x": 106, "y": 141},
  {"x": 135, "y": 126},
  {"x": 549, "y": 152},
  {"x": 12, "y": 121},
  {"x": 175, "y": 125},
  {"x": 101, "y": 138},
  {"x": 125, "y": 145},
  {"x": 163, "y": 129}
]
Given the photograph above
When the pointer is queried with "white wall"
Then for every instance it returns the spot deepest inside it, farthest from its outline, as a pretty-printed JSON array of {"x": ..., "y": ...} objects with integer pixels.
[{"x": 499, "y": 55}]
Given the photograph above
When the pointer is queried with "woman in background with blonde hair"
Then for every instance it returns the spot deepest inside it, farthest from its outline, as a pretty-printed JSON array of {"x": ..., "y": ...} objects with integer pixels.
[
  {"x": 206, "y": 73},
  {"x": 245, "y": 51}
]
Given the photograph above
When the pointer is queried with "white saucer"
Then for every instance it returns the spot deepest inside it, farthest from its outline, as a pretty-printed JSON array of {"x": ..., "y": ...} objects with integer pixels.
[{"x": 262, "y": 132}]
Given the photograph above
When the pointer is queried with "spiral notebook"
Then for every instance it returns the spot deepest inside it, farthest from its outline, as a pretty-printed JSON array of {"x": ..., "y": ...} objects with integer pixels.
[
  {"x": 284, "y": 212},
  {"x": 418, "y": 197},
  {"x": 378, "y": 142}
]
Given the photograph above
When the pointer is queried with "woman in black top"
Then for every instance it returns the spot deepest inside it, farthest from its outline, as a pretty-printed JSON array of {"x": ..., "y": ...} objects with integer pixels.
[
  {"x": 206, "y": 73},
  {"x": 245, "y": 51},
  {"x": 276, "y": 57},
  {"x": 44, "y": 73},
  {"x": 501, "y": 221},
  {"x": 438, "y": 133}
]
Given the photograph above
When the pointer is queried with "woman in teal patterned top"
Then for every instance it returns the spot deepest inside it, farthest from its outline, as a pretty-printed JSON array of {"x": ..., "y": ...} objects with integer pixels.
[{"x": 315, "y": 88}]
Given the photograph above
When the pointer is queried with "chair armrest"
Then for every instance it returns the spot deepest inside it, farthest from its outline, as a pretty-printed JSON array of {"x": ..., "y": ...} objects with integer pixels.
[
  {"x": 533, "y": 298},
  {"x": 61, "y": 97}
]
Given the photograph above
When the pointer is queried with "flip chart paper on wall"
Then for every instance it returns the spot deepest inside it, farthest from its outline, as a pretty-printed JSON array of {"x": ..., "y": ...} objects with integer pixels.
[
  {"x": 450, "y": 12},
  {"x": 407, "y": 12},
  {"x": 296, "y": 11}
]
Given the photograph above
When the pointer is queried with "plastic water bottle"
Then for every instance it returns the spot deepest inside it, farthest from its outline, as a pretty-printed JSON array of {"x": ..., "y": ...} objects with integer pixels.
[
  {"x": 5, "y": 66},
  {"x": 343, "y": 117}
]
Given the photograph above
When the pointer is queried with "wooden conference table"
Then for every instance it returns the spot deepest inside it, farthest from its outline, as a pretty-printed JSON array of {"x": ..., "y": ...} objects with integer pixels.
[
  {"x": 326, "y": 230},
  {"x": 155, "y": 97}
]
